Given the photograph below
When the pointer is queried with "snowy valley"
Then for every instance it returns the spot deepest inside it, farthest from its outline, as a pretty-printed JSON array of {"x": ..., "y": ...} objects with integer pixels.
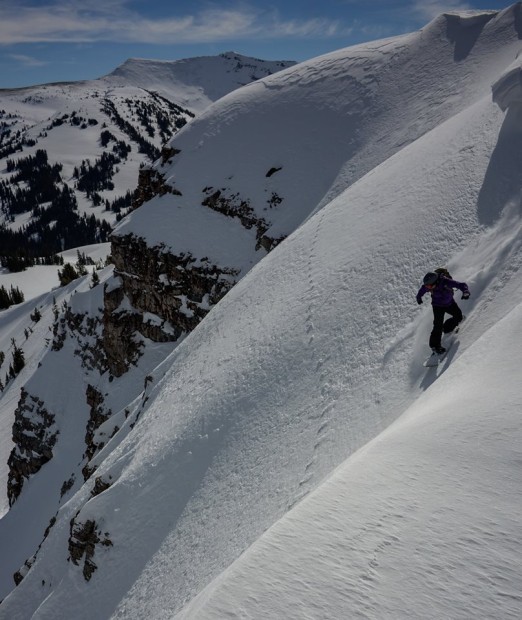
[{"x": 235, "y": 421}]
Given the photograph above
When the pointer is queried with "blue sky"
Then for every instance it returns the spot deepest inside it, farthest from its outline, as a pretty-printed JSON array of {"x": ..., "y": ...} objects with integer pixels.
[{"x": 60, "y": 40}]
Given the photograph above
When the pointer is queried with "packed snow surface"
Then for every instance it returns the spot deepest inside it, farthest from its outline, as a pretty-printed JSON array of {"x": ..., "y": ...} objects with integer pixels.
[
  {"x": 423, "y": 522},
  {"x": 292, "y": 458}
]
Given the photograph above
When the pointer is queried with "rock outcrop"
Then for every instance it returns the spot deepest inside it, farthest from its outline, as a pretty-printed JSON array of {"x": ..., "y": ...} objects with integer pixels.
[
  {"x": 98, "y": 415},
  {"x": 84, "y": 538},
  {"x": 156, "y": 295},
  {"x": 233, "y": 205},
  {"x": 151, "y": 183},
  {"x": 35, "y": 434},
  {"x": 86, "y": 331}
]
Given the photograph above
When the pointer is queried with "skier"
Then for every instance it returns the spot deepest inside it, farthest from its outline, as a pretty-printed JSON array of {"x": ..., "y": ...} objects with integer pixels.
[{"x": 441, "y": 286}]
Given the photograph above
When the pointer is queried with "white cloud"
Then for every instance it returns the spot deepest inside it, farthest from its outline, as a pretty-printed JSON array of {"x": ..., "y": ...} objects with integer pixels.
[
  {"x": 27, "y": 61},
  {"x": 89, "y": 21},
  {"x": 428, "y": 9}
]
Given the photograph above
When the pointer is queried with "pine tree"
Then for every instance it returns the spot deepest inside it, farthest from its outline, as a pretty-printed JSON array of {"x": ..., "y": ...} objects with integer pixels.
[
  {"x": 67, "y": 274},
  {"x": 17, "y": 297},
  {"x": 18, "y": 359},
  {"x": 5, "y": 300}
]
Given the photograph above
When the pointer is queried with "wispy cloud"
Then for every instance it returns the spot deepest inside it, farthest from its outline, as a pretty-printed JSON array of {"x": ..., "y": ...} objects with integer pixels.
[
  {"x": 27, "y": 61},
  {"x": 428, "y": 9},
  {"x": 89, "y": 21}
]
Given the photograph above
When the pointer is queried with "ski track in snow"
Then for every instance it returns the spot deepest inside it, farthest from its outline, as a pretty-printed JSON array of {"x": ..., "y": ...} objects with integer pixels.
[{"x": 321, "y": 416}]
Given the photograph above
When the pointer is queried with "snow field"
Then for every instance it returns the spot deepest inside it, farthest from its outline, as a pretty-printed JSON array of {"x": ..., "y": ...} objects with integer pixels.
[
  {"x": 421, "y": 522},
  {"x": 314, "y": 354}
]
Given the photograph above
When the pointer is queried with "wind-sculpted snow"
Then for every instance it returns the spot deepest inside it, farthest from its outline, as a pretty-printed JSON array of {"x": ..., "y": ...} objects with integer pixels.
[
  {"x": 321, "y": 125},
  {"x": 380, "y": 154},
  {"x": 421, "y": 523},
  {"x": 507, "y": 90}
]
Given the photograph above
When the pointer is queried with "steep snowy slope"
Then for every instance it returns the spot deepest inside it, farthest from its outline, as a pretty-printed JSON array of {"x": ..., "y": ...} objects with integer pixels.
[
  {"x": 295, "y": 140},
  {"x": 423, "y": 522},
  {"x": 342, "y": 357},
  {"x": 316, "y": 350}
]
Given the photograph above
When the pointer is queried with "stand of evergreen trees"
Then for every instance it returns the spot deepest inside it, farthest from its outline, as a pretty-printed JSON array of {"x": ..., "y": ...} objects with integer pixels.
[
  {"x": 11, "y": 297},
  {"x": 15, "y": 366},
  {"x": 55, "y": 227},
  {"x": 145, "y": 146},
  {"x": 40, "y": 241},
  {"x": 40, "y": 183},
  {"x": 97, "y": 177}
]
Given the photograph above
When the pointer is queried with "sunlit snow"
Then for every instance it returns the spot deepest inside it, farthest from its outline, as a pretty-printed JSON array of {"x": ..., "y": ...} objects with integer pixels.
[{"x": 292, "y": 458}]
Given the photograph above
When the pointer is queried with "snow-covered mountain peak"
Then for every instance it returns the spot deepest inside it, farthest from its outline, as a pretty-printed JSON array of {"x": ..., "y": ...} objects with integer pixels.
[
  {"x": 197, "y": 427},
  {"x": 196, "y": 81}
]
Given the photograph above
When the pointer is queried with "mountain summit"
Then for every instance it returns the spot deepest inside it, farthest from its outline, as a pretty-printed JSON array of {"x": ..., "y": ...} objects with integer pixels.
[
  {"x": 236, "y": 421},
  {"x": 196, "y": 82}
]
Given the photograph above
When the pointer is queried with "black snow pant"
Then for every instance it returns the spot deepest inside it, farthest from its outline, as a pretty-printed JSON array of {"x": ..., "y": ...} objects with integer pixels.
[{"x": 439, "y": 325}]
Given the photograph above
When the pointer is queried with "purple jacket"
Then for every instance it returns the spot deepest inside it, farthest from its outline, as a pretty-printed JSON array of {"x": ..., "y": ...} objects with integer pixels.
[{"x": 442, "y": 294}]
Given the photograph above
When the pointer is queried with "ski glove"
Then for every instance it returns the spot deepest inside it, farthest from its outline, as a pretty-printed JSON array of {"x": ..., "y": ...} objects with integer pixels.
[
  {"x": 419, "y": 300},
  {"x": 465, "y": 295}
]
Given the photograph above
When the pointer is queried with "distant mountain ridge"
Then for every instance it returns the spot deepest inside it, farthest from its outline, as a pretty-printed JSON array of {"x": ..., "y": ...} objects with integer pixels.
[
  {"x": 196, "y": 82},
  {"x": 92, "y": 137}
]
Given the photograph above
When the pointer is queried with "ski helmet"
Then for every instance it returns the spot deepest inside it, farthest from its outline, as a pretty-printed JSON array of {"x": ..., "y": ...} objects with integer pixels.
[{"x": 431, "y": 278}]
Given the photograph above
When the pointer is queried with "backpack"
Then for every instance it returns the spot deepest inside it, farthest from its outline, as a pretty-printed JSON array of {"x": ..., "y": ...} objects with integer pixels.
[{"x": 443, "y": 272}]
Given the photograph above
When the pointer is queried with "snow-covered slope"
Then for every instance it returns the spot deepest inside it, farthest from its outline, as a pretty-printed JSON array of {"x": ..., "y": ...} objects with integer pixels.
[
  {"x": 124, "y": 117},
  {"x": 295, "y": 140},
  {"x": 423, "y": 522},
  {"x": 314, "y": 353},
  {"x": 195, "y": 82}
]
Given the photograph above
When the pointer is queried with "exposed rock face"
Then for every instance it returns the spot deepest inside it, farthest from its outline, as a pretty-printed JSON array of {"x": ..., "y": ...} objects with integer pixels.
[
  {"x": 233, "y": 205},
  {"x": 151, "y": 183},
  {"x": 34, "y": 434},
  {"x": 85, "y": 535},
  {"x": 157, "y": 295},
  {"x": 97, "y": 417},
  {"x": 86, "y": 330},
  {"x": 100, "y": 485},
  {"x": 20, "y": 574},
  {"x": 82, "y": 544}
]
